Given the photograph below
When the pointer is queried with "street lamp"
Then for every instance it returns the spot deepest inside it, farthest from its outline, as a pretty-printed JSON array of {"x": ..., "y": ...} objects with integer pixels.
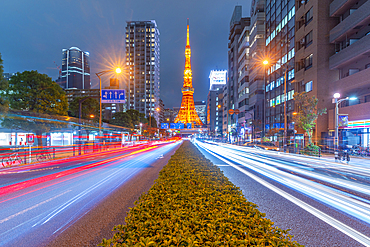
[
  {"x": 99, "y": 74},
  {"x": 265, "y": 63},
  {"x": 337, "y": 101}
]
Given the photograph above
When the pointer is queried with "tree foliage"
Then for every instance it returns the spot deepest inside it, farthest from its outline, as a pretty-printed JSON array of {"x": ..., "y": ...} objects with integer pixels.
[
  {"x": 136, "y": 117},
  {"x": 89, "y": 107},
  {"x": 4, "y": 104},
  {"x": 152, "y": 122},
  {"x": 129, "y": 119},
  {"x": 307, "y": 113},
  {"x": 121, "y": 119},
  {"x": 35, "y": 92}
]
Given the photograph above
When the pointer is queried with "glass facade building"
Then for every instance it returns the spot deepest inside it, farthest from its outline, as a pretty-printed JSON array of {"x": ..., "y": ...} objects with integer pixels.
[
  {"x": 75, "y": 69},
  {"x": 280, "y": 34}
]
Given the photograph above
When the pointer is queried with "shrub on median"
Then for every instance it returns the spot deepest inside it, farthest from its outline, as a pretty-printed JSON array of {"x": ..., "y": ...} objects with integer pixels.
[{"x": 193, "y": 204}]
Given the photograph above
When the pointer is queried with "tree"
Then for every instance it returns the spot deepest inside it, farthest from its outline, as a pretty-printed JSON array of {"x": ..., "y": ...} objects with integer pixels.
[
  {"x": 35, "y": 92},
  {"x": 4, "y": 104},
  {"x": 136, "y": 117},
  {"x": 307, "y": 113},
  {"x": 122, "y": 119},
  {"x": 152, "y": 121},
  {"x": 89, "y": 107}
]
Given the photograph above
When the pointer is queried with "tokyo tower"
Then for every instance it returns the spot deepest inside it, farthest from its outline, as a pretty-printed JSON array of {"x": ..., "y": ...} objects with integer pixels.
[{"x": 187, "y": 113}]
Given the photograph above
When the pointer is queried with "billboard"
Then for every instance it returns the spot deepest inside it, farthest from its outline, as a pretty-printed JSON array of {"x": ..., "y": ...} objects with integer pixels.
[
  {"x": 217, "y": 77},
  {"x": 342, "y": 121}
]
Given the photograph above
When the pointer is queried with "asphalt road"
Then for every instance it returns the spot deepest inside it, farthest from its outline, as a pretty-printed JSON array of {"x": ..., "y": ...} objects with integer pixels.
[
  {"x": 76, "y": 201},
  {"x": 323, "y": 203}
]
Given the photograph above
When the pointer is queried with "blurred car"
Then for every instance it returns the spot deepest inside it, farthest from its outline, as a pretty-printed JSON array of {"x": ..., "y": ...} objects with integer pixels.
[{"x": 262, "y": 145}]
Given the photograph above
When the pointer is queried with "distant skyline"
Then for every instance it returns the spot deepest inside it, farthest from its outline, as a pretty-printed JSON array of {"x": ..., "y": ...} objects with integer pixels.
[{"x": 35, "y": 32}]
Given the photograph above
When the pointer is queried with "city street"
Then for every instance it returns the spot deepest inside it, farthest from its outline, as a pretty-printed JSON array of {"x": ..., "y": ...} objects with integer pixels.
[
  {"x": 323, "y": 202},
  {"x": 39, "y": 202}
]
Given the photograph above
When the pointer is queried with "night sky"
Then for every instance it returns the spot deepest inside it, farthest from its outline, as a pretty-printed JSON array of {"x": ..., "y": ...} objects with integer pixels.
[{"x": 33, "y": 34}]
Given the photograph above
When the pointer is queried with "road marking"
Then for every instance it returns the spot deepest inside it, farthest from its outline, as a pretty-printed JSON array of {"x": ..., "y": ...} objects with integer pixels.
[
  {"x": 221, "y": 164},
  {"x": 30, "y": 208},
  {"x": 358, "y": 236}
]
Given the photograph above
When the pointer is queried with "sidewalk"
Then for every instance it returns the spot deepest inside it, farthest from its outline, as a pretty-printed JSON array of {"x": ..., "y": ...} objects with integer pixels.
[{"x": 353, "y": 159}]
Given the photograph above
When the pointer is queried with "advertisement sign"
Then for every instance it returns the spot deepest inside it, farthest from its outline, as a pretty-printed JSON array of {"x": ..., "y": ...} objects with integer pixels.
[
  {"x": 217, "y": 77},
  {"x": 113, "y": 96},
  {"x": 342, "y": 121}
]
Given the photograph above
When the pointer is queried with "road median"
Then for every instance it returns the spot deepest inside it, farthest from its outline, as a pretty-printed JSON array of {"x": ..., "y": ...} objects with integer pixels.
[{"x": 193, "y": 204}]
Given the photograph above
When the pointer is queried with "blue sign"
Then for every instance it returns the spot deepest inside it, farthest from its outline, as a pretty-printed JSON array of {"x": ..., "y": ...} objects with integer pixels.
[
  {"x": 176, "y": 125},
  {"x": 188, "y": 125},
  {"x": 164, "y": 126},
  {"x": 113, "y": 96}
]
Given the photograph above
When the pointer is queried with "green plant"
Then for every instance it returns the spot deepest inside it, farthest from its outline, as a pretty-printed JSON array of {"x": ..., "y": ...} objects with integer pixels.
[
  {"x": 193, "y": 204},
  {"x": 312, "y": 150},
  {"x": 307, "y": 113}
]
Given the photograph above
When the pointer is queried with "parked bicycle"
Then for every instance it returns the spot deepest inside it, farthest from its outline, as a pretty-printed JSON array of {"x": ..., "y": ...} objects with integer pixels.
[
  {"x": 46, "y": 156},
  {"x": 13, "y": 159}
]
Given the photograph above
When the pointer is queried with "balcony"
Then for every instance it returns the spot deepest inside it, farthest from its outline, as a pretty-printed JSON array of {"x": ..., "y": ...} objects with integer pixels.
[
  {"x": 338, "y": 7},
  {"x": 350, "y": 53},
  {"x": 350, "y": 25},
  {"x": 355, "y": 84}
]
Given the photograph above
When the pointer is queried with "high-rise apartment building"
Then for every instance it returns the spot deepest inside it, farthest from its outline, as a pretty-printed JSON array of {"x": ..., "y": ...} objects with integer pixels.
[
  {"x": 75, "y": 69},
  {"x": 349, "y": 60},
  {"x": 143, "y": 63},
  {"x": 312, "y": 52}
]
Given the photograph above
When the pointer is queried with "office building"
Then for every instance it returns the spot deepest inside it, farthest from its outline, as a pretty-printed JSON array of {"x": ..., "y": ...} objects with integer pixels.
[
  {"x": 170, "y": 115},
  {"x": 7, "y": 76},
  {"x": 254, "y": 116},
  {"x": 243, "y": 104},
  {"x": 75, "y": 69},
  {"x": 237, "y": 24},
  {"x": 217, "y": 79},
  {"x": 280, "y": 48},
  {"x": 143, "y": 63},
  {"x": 200, "y": 108}
]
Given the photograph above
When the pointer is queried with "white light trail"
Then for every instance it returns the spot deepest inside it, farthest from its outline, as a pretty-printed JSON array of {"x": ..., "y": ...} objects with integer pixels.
[{"x": 335, "y": 198}]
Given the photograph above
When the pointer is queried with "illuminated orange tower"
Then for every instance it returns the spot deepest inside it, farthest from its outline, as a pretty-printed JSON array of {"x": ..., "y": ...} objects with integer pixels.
[{"x": 187, "y": 113}]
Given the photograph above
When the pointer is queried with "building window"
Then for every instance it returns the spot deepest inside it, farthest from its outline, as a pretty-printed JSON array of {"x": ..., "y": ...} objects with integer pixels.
[
  {"x": 308, "y": 61},
  {"x": 308, "y": 16},
  {"x": 309, "y": 86},
  {"x": 308, "y": 39}
]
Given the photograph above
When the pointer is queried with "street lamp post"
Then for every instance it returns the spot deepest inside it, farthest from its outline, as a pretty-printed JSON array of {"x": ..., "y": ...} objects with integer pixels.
[
  {"x": 265, "y": 63},
  {"x": 99, "y": 74},
  {"x": 337, "y": 101}
]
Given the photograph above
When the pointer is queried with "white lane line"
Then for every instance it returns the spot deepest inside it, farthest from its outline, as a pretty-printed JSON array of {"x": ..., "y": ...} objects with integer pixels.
[
  {"x": 30, "y": 208},
  {"x": 221, "y": 164},
  {"x": 358, "y": 236}
]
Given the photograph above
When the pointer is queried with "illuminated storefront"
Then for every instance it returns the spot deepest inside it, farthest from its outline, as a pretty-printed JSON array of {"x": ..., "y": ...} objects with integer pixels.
[{"x": 357, "y": 133}]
